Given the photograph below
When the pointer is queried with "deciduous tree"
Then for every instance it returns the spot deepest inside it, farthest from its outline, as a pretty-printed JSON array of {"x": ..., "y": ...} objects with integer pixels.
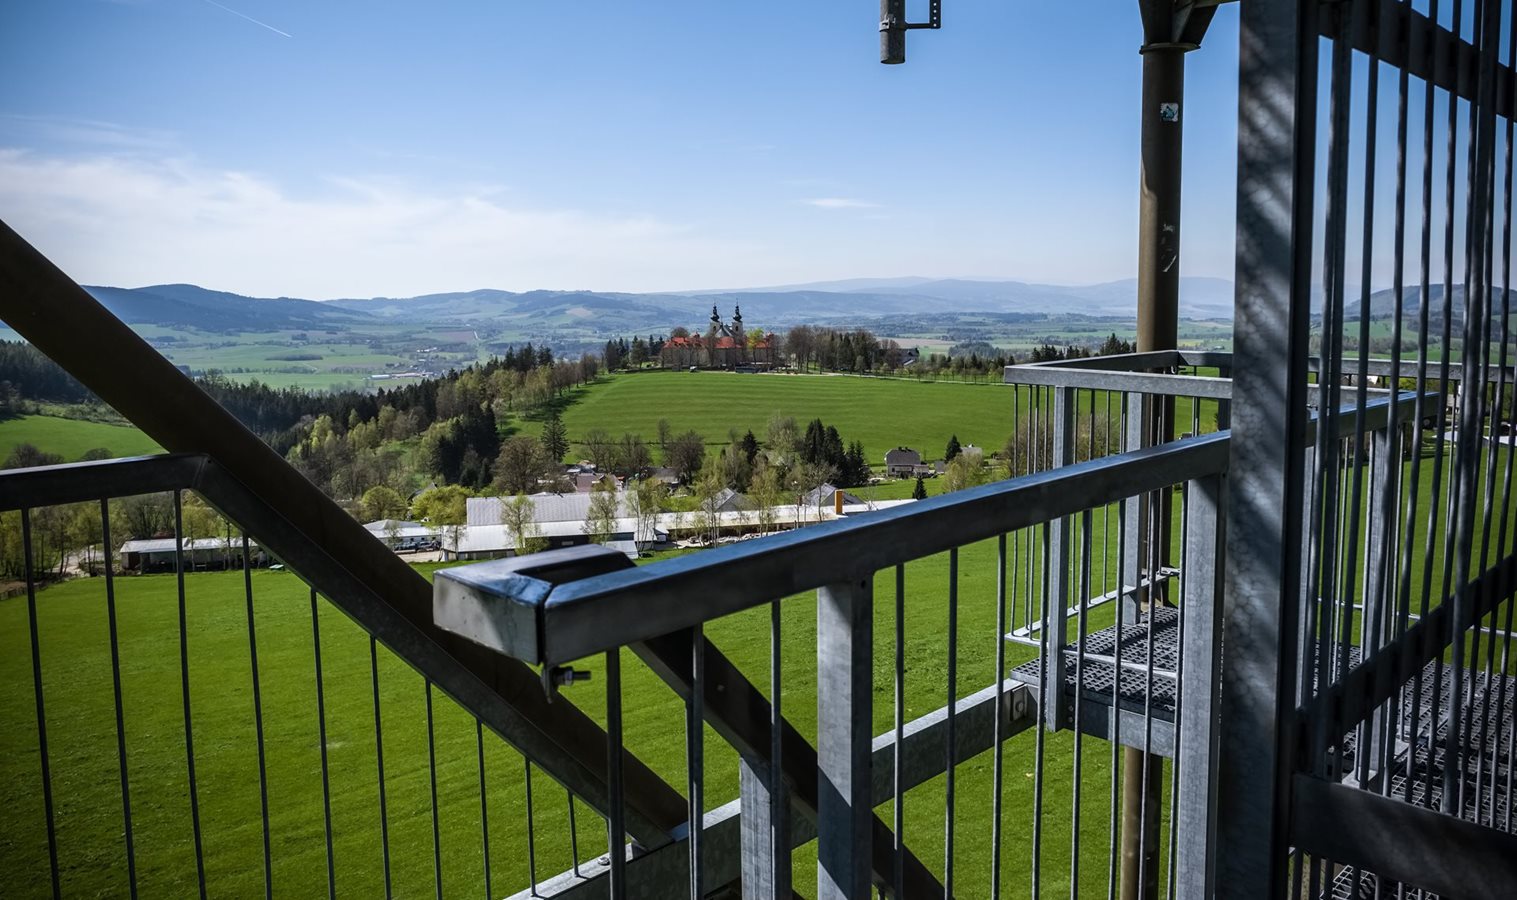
[
  {"x": 600, "y": 521},
  {"x": 520, "y": 464}
]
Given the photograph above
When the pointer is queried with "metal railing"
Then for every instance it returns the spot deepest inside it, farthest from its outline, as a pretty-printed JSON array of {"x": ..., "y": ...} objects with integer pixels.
[
  {"x": 257, "y": 705},
  {"x": 1046, "y": 530},
  {"x": 1141, "y": 674},
  {"x": 1369, "y": 591}
]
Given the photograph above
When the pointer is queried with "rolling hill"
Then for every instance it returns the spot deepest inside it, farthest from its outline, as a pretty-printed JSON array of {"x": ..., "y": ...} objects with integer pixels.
[{"x": 834, "y": 303}]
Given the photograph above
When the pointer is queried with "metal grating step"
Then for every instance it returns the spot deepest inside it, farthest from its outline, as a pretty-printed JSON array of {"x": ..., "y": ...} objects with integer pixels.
[
  {"x": 1096, "y": 674},
  {"x": 1418, "y": 773}
]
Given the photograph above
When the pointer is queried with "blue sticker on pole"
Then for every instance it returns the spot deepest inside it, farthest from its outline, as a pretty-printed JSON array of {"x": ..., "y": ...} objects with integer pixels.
[{"x": 1169, "y": 112}]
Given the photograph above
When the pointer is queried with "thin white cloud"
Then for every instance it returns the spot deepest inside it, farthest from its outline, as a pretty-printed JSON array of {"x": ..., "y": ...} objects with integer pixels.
[
  {"x": 249, "y": 18},
  {"x": 97, "y": 135},
  {"x": 840, "y": 203},
  {"x": 132, "y": 221}
]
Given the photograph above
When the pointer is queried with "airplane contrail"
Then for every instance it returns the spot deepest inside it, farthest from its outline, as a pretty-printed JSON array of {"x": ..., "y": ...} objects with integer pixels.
[{"x": 249, "y": 18}]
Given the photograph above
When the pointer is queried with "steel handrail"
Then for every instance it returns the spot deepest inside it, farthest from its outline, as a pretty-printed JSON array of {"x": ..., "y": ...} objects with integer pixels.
[{"x": 552, "y": 623}]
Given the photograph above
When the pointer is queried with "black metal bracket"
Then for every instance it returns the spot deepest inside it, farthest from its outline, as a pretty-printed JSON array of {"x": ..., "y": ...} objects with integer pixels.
[{"x": 893, "y": 28}]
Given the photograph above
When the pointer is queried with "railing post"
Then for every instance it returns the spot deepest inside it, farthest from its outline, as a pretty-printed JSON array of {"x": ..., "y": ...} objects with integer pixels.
[
  {"x": 1200, "y": 654},
  {"x": 1055, "y": 712},
  {"x": 1277, "y": 115},
  {"x": 1379, "y": 583},
  {"x": 1136, "y": 514},
  {"x": 845, "y": 670},
  {"x": 765, "y": 833}
]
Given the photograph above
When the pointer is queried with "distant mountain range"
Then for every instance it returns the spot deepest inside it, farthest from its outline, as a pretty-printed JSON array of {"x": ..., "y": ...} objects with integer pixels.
[
  {"x": 186, "y": 305},
  {"x": 1383, "y": 303},
  {"x": 833, "y": 302}
]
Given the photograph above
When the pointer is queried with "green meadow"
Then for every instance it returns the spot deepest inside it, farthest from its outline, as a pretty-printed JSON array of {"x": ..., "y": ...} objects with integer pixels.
[
  {"x": 76, "y": 669},
  {"x": 881, "y": 412},
  {"x": 72, "y": 438}
]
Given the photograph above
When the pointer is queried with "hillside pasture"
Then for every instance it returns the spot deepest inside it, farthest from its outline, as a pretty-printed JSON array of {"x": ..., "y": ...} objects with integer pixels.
[
  {"x": 71, "y": 438},
  {"x": 881, "y": 412}
]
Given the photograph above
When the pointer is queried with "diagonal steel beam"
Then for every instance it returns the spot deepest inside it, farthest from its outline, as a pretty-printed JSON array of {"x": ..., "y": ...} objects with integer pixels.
[{"x": 292, "y": 518}]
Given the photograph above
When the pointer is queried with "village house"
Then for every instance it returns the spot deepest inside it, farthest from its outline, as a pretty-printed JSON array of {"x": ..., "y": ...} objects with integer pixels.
[{"x": 902, "y": 462}]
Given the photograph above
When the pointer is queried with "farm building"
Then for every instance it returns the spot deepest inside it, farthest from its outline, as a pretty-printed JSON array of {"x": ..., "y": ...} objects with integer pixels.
[
  {"x": 159, "y": 554},
  {"x": 496, "y": 541},
  {"x": 546, "y": 508},
  {"x": 729, "y": 500},
  {"x": 826, "y": 496},
  {"x": 398, "y": 534}
]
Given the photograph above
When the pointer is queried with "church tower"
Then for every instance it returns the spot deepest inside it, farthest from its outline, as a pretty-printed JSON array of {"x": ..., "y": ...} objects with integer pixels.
[
  {"x": 737, "y": 334},
  {"x": 713, "y": 331}
]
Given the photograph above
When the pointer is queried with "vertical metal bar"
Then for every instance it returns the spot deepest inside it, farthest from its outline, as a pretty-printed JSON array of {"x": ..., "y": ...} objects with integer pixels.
[
  {"x": 1056, "y": 616},
  {"x": 184, "y": 683},
  {"x": 321, "y": 734},
  {"x": 432, "y": 780},
  {"x": 573, "y": 836},
  {"x": 484, "y": 806},
  {"x": 263, "y": 772},
  {"x": 898, "y": 866},
  {"x": 1186, "y": 588},
  {"x": 998, "y": 787},
  {"x": 1045, "y": 699},
  {"x": 1327, "y": 497},
  {"x": 1378, "y": 600},
  {"x": 110, "y": 610},
  {"x": 1386, "y": 546},
  {"x": 1408, "y": 541},
  {"x": 1369, "y": 634},
  {"x": 695, "y": 755},
  {"x": 779, "y": 798},
  {"x": 1114, "y": 831},
  {"x": 1142, "y": 769},
  {"x": 1080, "y": 634},
  {"x": 616, "y": 826},
  {"x": 1200, "y": 681},
  {"x": 1276, "y": 146},
  {"x": 1136, "y": 520},
  {"x": 953, "y": 691},
  {"x": 845, "y": 645},
  {"x": 531, "y": 828},
  {"x": 379, "y": 757},
  {"x": 1435, "y": 507},
  {"x": 42, "y": 750}
]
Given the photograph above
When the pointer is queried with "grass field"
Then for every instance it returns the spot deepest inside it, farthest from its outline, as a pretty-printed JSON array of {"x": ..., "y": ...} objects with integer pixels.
[
  {"x": 75, "y": 661},
  {"x": 71, "y": 438},
  {"x": 883, "y": 413},
  {"x": 81, "y": 734}
]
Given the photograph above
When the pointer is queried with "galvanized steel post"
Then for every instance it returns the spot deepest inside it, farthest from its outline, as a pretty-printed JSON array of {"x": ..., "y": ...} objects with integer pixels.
[
  {"x": 844, "y": 676},
  {"x": 1277, "y": 112},
  {"x": 1196, "y": 742}
]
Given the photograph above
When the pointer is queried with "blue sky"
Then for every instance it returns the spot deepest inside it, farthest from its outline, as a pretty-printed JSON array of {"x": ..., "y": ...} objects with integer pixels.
[{"x": 346, "y": 148}]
